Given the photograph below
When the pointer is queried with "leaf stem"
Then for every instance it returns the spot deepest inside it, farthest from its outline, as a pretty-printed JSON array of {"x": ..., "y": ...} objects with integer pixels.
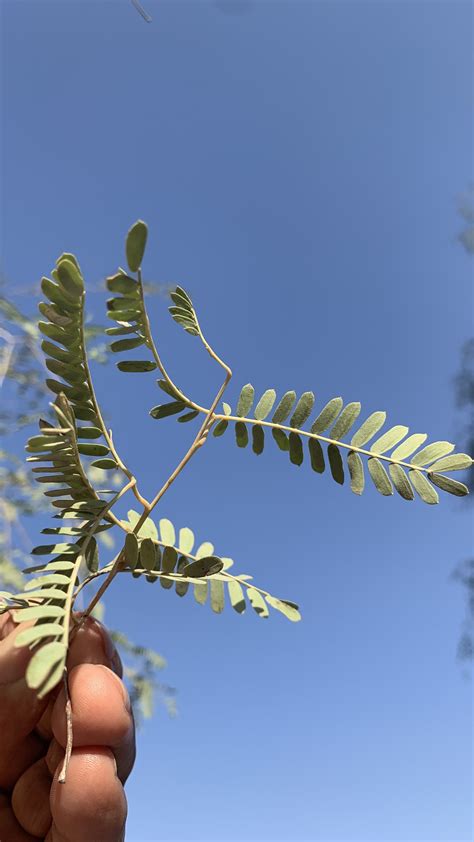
[
  {"x": 107, "y": 433},
  {"x": 338, "y": 443},
  {"x": 151, "y": 345}
]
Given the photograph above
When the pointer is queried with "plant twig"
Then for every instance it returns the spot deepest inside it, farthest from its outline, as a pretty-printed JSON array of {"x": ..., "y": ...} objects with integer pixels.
[{"x": 69, "y": 733}]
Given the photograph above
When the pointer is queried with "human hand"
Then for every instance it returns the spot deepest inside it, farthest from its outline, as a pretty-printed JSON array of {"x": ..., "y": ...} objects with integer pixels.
[{"x": 91, "y": 804}]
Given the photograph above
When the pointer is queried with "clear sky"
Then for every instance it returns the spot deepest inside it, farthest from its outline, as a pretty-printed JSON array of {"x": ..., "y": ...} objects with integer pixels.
[{"x": 298, "y": 164}]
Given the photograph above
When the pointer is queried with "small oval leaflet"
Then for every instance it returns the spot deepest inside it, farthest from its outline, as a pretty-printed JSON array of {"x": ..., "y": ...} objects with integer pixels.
[
  {"x": 380, "y": 477},
  {"x": 407, "y": 447},
  {"x": 136, "y": 366},
  {"x": 356, "y": 470},
  {"x": 424, "y": 488},
  {"x": 135, "y": 244},
  {"x": 131, "y": 549},
  {"x": 284, "y": 408},
  {"x": 167, "y": 532},
  {"x": 295, "y": 448},
  {"x": 455, "y": 462},
  {"x": 37, "y": 633},
  {"x": 389, "y": 439},
  {"x": 336, "y": 464},
  {"x": 265, "y": 405},
  {"x": 347, "y": 418},
  {"x": 432, "y": 452},
  {"x": 245, "y": 401},
  {"x": 46, "y": 667},
  {"x": 369, "y": 428},
  {"x": 164, "y": 410},
  {"x": 206, "y": 566},
  {"x": 401, "y": 482},
  {"x": 148, "y": 554},
  {"x": 452, "y": 486},
  {"x": 303, "y": 409},
  {"x": 327, "y": 415}
]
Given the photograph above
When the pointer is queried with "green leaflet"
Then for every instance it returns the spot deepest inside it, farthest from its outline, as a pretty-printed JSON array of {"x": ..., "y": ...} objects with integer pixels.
[
  {"x": 188, "y": 416},
  {"x": 379, "y": 476},
  {"x": 121, "y": 330},
  {"x": 205, "y": 549},
  {"x": 123, "y": 317},
  {"x": 105, "y": 464},
  {"x": 265, "y": 405},
  {"x": 303, "y": 410},
  {"x": 126, "y": 344},
  {"x": 148, "y": 555},
  {"x": 147, "y": 529},
  {"x": 281, "y": 439},
  {"x": 401, "y": 482},
  {"x": 432, "y": 452},
  {"x": 220, "y": 428},
  {"x": 241, "y": 434},
  {"x": 131, "y": 550},
  {"x": 53, "y": 549},
  {"x": 206, "y": 566},
  {"x": 85, "y": 413},
  {"x": 236, "y": 596},
  {"x": 452, "y": 486},
  {"x": 164, "y": 410},
  {"x": 389, "y": 439},
  {"x": 123, "y": 284},
  {"x": 257, "y": 602},
  {"x": 167, "y": 532},
  {"x": 407, "y": 447},
  {"x": 186, "y": 540},
  {"x": 347, "y": 418},
  {"x": 356, "y": 471},
  {"x": 88, "y": 432},
  {"x": 258, "y": 439},
  {"x": 284, "y": 408},
  {"x": 46, "y": 667},
  {"x": 168, "y": 563},
  {"x": 369, "y": 428},
  {"x": 181, "y": 588},
  {"x": 71, "y": 257},
  {"x": 289, "y": 609},
  {"x": 45, "y": 593},
  {"x": 136, "y": 366},
  {"x": 91, "y": 555},
  {"x": 316, "y": 455},
  {"x": 53, "y": 351},
  {"x": 217, "y": 596},
  {"x": 93, "y": 449},
  {"x": 35, "y": 633},
  {"x": 424, "y": 488},
  {"x": 70, "y": 277},
  {"x": 327, "y": 415},
  {"x": 58, "y": 296},
  {"x": 245, "y": 401},
  {"x": 168, "y": 389},
  {"x": 295, "y": 448},
  {"x": 54, "y": 315},
  {"x": 135, "y": 245},
  {"x": 200, "y": 593},
  {"x": 335, "y": 463},
  {"x": 456, "y": 462},
  {"x": 122, "y": 303},
  {"x": 38, "y": 612}
]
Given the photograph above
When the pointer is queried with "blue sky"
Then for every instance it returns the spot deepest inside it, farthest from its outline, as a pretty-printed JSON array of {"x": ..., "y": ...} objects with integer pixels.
[{"x": 298, "y": 164}]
